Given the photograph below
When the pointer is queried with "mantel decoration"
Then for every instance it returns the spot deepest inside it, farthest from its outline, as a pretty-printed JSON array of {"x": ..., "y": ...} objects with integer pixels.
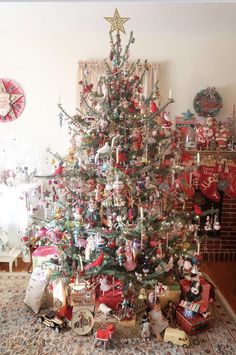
[
  {"x": 12, "y": 100},
  {"x": 207, "y": 102}
]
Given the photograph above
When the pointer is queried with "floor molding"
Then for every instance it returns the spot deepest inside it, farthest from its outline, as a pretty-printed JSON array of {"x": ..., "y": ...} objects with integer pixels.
[{"x": 222, "y": 298}]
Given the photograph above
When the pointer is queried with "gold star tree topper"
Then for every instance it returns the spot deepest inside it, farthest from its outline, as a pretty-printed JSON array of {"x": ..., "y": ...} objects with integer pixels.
[{"x": 117, "y": 22}]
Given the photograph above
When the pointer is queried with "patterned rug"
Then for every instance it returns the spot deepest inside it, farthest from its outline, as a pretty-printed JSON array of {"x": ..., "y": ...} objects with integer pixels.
[{"x": 20, "y": 332}]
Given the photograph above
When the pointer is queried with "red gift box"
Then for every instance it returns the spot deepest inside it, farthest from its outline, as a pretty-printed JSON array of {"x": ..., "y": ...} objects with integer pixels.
[
  {"x": 111, "y": 298},
  {"x": 193, "y": 325},
  {"x": 206, "y": 288}
]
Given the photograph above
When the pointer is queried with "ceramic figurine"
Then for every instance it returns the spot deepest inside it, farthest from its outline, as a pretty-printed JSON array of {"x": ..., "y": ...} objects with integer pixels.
[
  {"x": 145, "y": 328},
  {"x": 157, "y": 320}
]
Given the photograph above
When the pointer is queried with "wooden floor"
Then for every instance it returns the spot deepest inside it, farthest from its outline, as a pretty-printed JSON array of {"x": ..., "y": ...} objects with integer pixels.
[
  {"x": 21, "y": 266},
  {"x": 222, "y": 274}
]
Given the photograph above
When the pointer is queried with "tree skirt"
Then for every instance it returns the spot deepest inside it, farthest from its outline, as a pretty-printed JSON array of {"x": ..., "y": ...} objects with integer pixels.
[{"x": 20, "y": 332}]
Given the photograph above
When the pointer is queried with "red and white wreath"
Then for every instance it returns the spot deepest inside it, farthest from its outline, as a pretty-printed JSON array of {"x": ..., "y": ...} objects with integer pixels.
[{"x": 12, "y": 100}]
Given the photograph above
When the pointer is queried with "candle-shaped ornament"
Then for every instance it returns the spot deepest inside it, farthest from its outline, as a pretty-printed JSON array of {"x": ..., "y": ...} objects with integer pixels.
[
  {"x": 198, "y": 248},
  {"x": 198, "y": 158},
  {"x": 141, "y": 212},
  {"x": 170, "y": 94},
  {"x": 117, "y": 155},
  {"x": 81, "y": 263}
]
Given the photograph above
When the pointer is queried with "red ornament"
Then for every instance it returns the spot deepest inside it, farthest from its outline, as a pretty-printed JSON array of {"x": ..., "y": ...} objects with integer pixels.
[
  {"x": 97, "y": 262},
  {"x": 153, "y": 243},
  {"x": 153, "y": 106},
  {"x": 59, "y": 170}
]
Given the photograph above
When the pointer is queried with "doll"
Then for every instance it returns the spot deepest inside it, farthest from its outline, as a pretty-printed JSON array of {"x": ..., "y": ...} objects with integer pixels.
[
  {"x": 170, "y": 313},
  {"x": 157, "y": 320}
]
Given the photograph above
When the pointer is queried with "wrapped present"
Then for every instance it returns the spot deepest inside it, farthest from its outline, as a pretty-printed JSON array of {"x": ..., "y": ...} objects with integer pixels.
[
  {"x": 42, "y": 254},
  {"x": 124, "y": 329},
  {"x": 81, "y": 298},
  {"x": 206, "y": 288},
  {"x": 193, "y": 325},
  {"x": 47, "y": 299},
  {"x": 171, "y": 295},
  {"x": 111, "y": 298}
]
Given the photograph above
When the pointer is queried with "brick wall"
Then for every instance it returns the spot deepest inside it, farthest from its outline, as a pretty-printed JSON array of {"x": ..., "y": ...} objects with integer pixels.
[{"x": 224, "y": 247}]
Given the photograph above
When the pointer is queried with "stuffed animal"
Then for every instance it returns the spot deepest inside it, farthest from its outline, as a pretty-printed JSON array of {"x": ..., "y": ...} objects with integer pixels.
[{"x": 194, "y": 293}]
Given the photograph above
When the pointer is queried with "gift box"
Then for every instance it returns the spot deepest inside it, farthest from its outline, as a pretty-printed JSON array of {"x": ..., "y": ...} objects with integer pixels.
[
  {"x": 193, "y": 325},
  {"x": 47, "y": 299},
  {"x": 206, "y": 289},
  {"x": 111, "y": 298},
  {"x": 42, "y": 254},
  {"x": 124, "y": 329},
  {"x": 81, "y": 298},
  {"x": 171, "y": 295}
]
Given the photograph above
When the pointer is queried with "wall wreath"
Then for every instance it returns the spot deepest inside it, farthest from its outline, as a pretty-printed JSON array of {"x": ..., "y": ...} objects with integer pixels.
[
  {"x": 207, "y": 102},
  {"x": 12, "y": 100}
]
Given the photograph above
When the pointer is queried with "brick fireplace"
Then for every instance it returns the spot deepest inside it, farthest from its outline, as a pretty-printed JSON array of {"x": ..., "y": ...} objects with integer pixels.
[{"x": 223, "y": 247}]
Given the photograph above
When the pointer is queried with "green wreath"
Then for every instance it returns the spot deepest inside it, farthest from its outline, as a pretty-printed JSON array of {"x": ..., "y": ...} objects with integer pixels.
[{"x": 207, "y": 102}]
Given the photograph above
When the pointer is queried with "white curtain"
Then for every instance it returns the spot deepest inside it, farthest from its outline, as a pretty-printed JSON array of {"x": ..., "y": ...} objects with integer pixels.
[{"x": 92, "y": 71}]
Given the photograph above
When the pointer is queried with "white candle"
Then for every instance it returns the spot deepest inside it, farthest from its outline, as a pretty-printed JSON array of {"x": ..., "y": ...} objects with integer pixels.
[
  {"x": 198, "y": 158},
  {"x": 117, "y": 155},
  {"x": 170, "y": 94},
  {"x": 81, "y": 263},
  {"x": 198, "y": 248},
  {"x": 167, "y": 240},
  {"x": 141, "y": 212}
]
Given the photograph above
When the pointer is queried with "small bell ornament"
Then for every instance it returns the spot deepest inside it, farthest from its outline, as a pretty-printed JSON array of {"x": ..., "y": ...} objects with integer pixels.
[{"x": 142, "y": 294}]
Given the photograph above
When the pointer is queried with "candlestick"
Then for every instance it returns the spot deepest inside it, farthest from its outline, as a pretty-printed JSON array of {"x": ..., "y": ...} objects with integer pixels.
[
  {"x": 186, "y": 141},
  {"x": 198, "y": 158},
  {"x": 141, "y": 212},
  {"x": 170, "y": 97},
  {"x": 81, "y": 263},
  {"x": 198, "y": 248},
  {"x": 117, "y": 155}
]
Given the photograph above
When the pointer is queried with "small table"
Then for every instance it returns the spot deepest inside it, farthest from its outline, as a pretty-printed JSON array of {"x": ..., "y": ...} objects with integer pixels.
[{"x": 10, "y": 256}]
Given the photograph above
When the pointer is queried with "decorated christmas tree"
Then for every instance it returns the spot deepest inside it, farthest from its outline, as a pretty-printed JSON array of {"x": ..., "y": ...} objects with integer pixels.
[{"x": 117, "y": 198}]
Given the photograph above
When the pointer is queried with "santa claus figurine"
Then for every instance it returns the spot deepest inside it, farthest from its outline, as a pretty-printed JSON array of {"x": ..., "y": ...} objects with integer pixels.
[
  {"x": 222, "y": 135},
  {"x": 201, "y": 137}
]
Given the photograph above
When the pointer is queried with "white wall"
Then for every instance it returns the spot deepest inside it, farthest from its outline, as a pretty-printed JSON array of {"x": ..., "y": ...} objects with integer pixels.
[{"x": 41, "y": 44}]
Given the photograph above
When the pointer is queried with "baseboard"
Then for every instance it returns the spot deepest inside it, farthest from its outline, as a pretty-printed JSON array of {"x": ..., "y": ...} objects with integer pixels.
[{"x": 222, "y": 298}]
